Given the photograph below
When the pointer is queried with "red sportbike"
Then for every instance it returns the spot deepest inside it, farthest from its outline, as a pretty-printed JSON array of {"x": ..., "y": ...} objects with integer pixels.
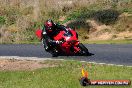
[{"x": 70, "y": 44}]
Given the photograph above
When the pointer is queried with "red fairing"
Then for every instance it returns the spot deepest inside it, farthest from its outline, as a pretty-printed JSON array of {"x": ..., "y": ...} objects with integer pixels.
[
  {"x": 59, "y": 36},
  {"x": 69, "y": 41},
  {"x": 39, "y": 33}
]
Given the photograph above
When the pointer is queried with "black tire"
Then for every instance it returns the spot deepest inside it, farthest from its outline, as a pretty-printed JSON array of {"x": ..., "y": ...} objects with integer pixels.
[
  {"x": 84, "y": 50},
  {"x": 54, "y": 53}
]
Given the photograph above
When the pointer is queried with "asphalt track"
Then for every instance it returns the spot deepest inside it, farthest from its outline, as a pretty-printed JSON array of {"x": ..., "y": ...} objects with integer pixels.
[{"x": 104, "y": 53}]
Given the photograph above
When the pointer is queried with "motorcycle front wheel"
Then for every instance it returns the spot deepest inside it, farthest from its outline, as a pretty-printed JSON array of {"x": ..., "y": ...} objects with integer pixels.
[{"x": 83, "y": 49}]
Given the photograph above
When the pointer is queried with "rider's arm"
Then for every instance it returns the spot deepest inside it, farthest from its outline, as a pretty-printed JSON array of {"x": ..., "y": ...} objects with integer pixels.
[
  {"x": 47, "y": 39},
  {"x": 61, "y": 27}
]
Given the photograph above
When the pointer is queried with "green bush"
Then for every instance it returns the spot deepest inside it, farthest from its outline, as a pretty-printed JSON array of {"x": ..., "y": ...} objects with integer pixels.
[
  {"x": 107, "y": 16},
  {"x": 82, "y": 13},
  {"x": 2, "y": 20},
  {"x": 79, "y": 24}
]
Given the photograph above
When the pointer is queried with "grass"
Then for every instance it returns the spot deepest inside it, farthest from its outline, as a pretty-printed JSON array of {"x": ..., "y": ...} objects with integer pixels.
[{"x": 65, "y": 75}]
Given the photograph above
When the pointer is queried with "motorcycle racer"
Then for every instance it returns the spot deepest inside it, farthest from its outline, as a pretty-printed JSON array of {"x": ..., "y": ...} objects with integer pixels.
[
  {"x": 61, "y": 40},
  {"x": 49, "y": 30}
]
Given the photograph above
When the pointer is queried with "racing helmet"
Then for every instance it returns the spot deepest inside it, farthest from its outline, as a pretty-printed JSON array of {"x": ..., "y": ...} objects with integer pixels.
[{"x": 49, "y": 25}]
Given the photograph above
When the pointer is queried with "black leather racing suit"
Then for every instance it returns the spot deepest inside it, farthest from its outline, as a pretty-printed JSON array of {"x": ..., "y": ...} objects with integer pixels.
[{"x": 48, "y": 41}]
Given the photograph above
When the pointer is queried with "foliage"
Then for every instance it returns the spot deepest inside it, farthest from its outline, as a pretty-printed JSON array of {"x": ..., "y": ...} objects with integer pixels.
[
  {"x": 11, "y": 14},
  {"x": 64, "y": 74},
  {"x": 22, "y": 14},
  {"x": 106, "y": 16},
  {"x": 2, "y": 20}
]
